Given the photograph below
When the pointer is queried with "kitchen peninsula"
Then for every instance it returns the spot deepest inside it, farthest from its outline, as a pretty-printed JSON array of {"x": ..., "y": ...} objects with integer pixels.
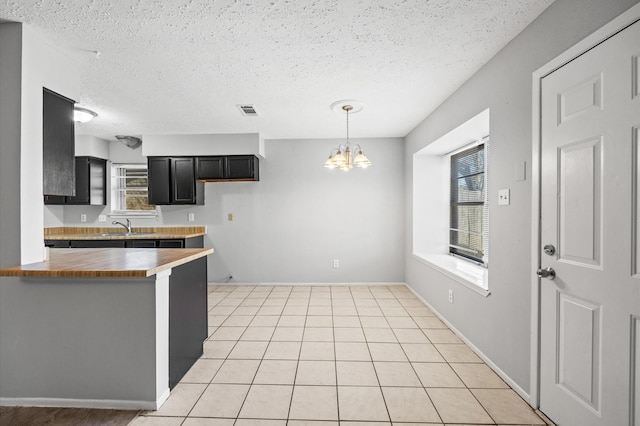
[{"x": 115, "y": 327}]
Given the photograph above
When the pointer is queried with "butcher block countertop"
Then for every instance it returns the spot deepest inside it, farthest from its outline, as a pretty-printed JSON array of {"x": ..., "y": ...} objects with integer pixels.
[
  {"x": 107, "y": 262},
  {"x": 119, "y": 233}
]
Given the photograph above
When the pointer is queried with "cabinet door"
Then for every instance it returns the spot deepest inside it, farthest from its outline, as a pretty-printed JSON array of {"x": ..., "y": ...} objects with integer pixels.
[
  {"x": 140, "y": 244},
  {"x": 58, "y": 144},
  {"x": 56, "y": 243},
  {"x": 210, "y": 167},
  {"x": 159, "y": 170},
  {"x": 82, "y": 182},
  {"x": 170, "y": 243},
  {"x": 241, "y": 167},
  {"x": 97, "y": 182},
  {"x": 55, "y": 199},
  {"x": 184, "y": 183},
  {"x": 97, "y": 243}
]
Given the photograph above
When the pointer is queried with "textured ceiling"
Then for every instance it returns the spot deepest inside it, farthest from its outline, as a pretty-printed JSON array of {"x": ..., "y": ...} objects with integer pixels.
[{"x": 182, "y": 66}]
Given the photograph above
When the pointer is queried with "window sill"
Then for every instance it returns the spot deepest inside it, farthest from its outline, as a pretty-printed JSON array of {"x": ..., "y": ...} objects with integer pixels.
[
  {"x": 474, "y": 277},
  {"x": 140, "y": 215}
]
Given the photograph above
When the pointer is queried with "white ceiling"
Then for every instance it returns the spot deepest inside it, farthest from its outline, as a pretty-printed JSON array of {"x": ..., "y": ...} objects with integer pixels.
[{"x": 182, "y": 66}]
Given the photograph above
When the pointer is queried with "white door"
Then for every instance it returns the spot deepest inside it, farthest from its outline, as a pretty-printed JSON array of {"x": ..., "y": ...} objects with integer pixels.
[{"x": 590, "y": 312}]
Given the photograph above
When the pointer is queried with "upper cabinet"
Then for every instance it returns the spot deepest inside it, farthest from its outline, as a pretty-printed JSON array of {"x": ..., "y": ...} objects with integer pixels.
[
  {"x": 228, "y": 168},
  {"x": 172, "y": 180},
  {"x": 91, "y": 184},
  {"x": 58, "y": 145}
]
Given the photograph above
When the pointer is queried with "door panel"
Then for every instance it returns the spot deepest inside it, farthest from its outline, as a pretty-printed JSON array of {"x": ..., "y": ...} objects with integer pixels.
[
  {"x": 580, "y": 201},
  {"x": 580, "y": 99},
  {"x": 589, "y": 191},
  {"x": 579, "y": 348}
]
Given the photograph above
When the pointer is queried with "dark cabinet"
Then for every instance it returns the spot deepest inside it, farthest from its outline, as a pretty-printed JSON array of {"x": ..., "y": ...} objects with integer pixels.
[
  {"x": 228, "y": 168},
  {"x": 243, "y": 167},
  {"x": 159, "y": 172},
  {"x": 140, "y": 244},
  {"x": 57, "y": 243},
  {"x": 187, "y": 317},
  {"x": 210, "y": 167},
  {"x": 172, "y": 180},
  {"x": 58, "y": 144},
  {"x": 91, "y": 184},
  {"x": 96, "y": 243},
  {"x": 193, "y": 242},
  {"x": 177, "y": 243}
]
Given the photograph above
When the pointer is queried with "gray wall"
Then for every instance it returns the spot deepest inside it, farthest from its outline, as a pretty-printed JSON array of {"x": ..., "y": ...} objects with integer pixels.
[
  {"x": 78, "y": 339},
  {"x": 500, "y": 324},
  {"x": 10, "y": 127},
  {"x": 300, "y": 216}
]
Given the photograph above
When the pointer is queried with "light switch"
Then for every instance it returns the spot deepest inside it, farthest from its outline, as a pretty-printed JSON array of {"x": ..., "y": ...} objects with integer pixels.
[
  {"x": 230, "y": 217},
  {"x": 503, "y": 197}
]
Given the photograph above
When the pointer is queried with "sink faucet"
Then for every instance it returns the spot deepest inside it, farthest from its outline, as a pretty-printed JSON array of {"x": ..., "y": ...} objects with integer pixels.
[{"x": 127, "y": 226}]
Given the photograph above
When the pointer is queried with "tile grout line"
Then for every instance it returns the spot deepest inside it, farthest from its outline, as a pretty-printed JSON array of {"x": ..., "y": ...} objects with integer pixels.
[
  {"x": 295, "y": 375},
  {"x": 395, "y": 296}
]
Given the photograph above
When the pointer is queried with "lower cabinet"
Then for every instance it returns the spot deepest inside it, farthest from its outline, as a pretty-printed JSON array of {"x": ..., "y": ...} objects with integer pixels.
[
  {"x": 187, "y": 317},
  {"x": 96, "y": 243},
  {"x": 193, "y": 242}
]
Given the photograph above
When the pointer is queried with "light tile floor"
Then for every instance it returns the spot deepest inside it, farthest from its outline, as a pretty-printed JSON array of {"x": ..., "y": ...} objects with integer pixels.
[{"x": 324, "y": 355}]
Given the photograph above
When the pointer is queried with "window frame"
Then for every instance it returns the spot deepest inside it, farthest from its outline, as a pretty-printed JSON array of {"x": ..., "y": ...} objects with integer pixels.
[
  {"x": 454, "y": 247},
  {"x": 117, "y": 189}
]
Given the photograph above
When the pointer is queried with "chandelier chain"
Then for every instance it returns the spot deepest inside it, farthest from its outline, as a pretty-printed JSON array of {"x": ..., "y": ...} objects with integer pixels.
[{"x": 347, "y": 109}]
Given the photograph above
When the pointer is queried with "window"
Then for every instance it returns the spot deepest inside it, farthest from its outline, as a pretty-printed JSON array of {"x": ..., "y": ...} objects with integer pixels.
[
  {"x": 432, "y": 206},
  {"x": 129, "y": 190},
  {"x": 468, "y": 219}
]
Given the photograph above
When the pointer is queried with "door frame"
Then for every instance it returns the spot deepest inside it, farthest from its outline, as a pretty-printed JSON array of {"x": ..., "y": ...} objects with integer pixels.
[{"x": 619, "y": 23}]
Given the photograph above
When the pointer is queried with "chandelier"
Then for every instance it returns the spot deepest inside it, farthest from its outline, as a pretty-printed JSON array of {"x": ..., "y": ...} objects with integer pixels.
[{"x": 342, "y": 157}]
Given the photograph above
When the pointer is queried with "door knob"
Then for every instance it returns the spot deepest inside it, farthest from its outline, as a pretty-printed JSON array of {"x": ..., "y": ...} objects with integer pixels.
[{"x": 547, "y": 272}]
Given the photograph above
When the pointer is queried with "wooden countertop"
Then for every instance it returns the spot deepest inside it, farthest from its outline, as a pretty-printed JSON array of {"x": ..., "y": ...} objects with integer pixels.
[
  {"x": 106, "y": 262},
  {"x": 118, "y": 233}
]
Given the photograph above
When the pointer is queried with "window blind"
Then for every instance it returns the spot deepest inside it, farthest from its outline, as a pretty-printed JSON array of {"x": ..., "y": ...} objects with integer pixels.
[
  {"x": 468, "y": 230},
  {"x": 130, "y": 189}
]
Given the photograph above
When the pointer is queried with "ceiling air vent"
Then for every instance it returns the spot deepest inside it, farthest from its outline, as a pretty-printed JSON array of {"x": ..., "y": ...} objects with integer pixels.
[{"x": 248, "y": 110}]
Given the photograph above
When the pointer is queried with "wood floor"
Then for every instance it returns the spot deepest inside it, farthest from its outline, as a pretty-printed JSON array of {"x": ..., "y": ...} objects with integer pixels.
[{"x": 37, "y": 416}]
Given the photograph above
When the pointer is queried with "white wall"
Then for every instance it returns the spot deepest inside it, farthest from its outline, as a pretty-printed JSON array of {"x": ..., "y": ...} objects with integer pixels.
[
  {"x": 203, "y": 144},
  {"x": 29, "y": 63},
  {"x": 289, "y": 226},
  {"x": 499, "y": 325},
  {"x": 92, "y": 146}
]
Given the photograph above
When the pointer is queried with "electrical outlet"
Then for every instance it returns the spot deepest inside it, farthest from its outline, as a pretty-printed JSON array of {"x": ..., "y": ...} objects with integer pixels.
[
  {"x": 102, "y": 218},
  {"x": 192, "y": 217},
  {"x": 450, "y": 296},
  {"x": 83, "y": 217},
  {"x": 336, "y": 263},
  {"x": 230, "y": 217}
]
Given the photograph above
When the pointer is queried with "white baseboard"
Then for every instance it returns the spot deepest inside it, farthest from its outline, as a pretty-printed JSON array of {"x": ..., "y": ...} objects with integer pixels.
[
  {"x": 478, "y": 352},
  {"x": 310, "y": 284},
  {"x": 83, "y": 403}
]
